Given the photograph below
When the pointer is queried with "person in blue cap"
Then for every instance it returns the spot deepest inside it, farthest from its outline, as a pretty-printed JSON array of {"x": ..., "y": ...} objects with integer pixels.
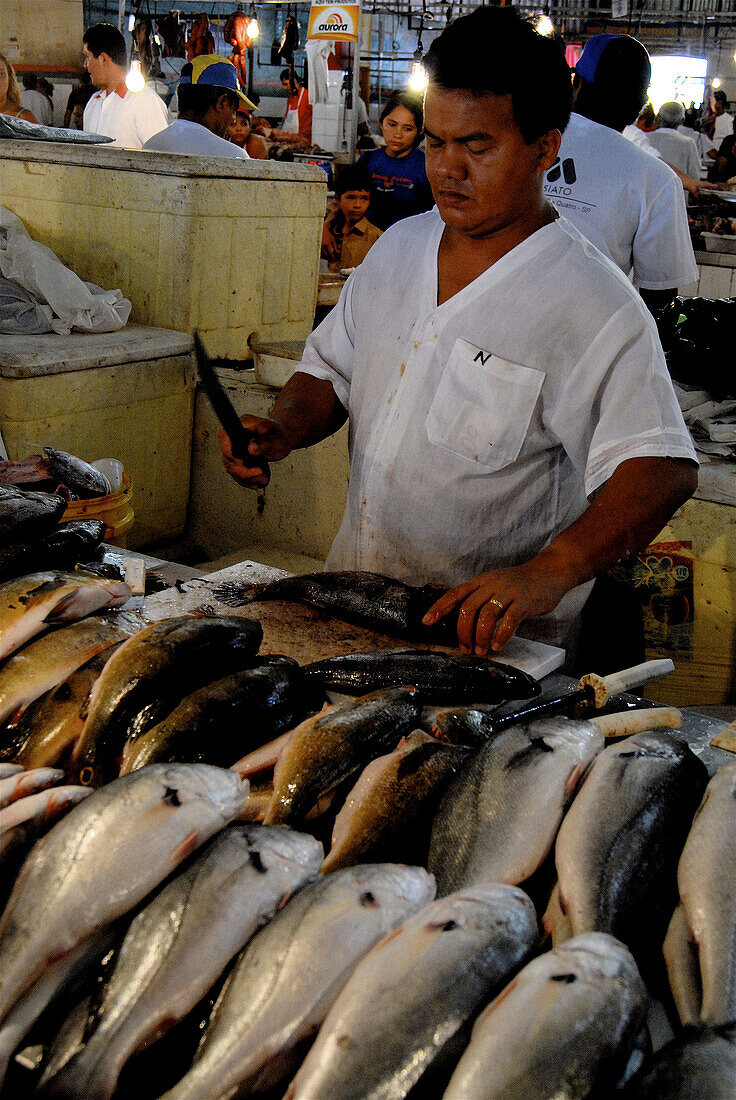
[
  {"x": 209, "y": 95},
  {"x": 628, "y": 203}
]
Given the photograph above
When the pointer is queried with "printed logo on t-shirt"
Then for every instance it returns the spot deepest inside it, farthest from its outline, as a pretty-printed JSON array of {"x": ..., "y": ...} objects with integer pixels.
[
  {"x": 558, "y": 187},
  {"x": 565, "y": 168},
  {"x": 388, "y": 183}
]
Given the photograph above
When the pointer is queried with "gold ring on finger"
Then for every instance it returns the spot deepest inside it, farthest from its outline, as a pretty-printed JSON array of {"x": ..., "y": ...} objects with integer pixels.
[{"x": 496, "y": 603}]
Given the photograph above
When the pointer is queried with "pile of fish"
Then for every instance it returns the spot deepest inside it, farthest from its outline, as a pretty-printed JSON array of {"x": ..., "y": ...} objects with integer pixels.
[{"x": 248, "y": 890}]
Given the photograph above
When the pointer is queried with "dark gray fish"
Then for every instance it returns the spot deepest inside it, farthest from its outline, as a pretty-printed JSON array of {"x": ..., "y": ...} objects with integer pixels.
[
  {"x": 368, "y": 599},
  {"x": 697, "y": 1065},
  {"x": 65, "y": 546},
  {"x": 472, "y": 725},
  {"x": 225, "y": 719},
  {"x": 440, "y": 677},
  {"x": 76, "y": 474},
  {"x": 145, "y": 680},
  {"x": 407, "y": 1001},
  {"x": 618, "y": 846},
  {"x": 25, "y": 515},
  {"x": 335, "y": 744}
]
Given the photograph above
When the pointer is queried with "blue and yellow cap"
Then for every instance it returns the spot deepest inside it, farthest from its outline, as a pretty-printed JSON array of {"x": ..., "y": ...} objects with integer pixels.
[{"x": 216, "y": 71}]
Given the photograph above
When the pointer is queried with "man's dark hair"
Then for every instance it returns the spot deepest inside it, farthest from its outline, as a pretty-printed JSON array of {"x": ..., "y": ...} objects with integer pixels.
[
  {"x": 413, "y": 103},
  {"x": 196, "y": 99},
  {"x": 494, "y": 51},
  {"x": 285, "y": 74},
  {"x": 620, "y": 87},
  {"x": 105, "y": 38},
  {"x": 30, "y": 80},
  {"x": 721, "y": 97},
  {"x": 353, "y": 178}
]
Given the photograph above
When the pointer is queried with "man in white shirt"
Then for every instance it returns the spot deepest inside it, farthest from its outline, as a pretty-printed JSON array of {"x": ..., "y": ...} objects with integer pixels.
[
  {"x": 209, "y": 95},
  {"x": 675, "y": 147},
  {"x": 130, "y": 118},
  {"x": 513, "y": 427},
  {"x": 723, "y": 126},
  {"x": 35, "y": 101},
  {"x": 629, "y": 204}
]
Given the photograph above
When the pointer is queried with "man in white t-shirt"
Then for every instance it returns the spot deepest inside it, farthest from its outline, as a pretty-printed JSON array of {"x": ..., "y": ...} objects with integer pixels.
[
  {"x": 209, "y": 95},
  {"x": 723, "y": 125},
  {"x": 674, "y": 146},
  {"x": 513, "y": 427},
  {"x": 628, "y": 203},
  {"x": 130, "y": 118},
  {"x": 35, "y": 101}
]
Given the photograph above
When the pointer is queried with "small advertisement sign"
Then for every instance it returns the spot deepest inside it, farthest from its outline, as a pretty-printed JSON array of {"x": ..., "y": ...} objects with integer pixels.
[
  {"x": 334, "y": 22},
  {"x": 619, "y": 9}
]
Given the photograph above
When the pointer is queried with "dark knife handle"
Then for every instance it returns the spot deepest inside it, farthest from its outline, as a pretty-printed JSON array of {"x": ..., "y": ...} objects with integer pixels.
[{"x": 223, "y": 408}]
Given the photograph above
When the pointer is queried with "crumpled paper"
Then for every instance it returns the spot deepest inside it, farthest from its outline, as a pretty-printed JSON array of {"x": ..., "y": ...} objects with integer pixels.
[
  {"x": 66, "y": 302},
  {"x": 712, "y": 423}
]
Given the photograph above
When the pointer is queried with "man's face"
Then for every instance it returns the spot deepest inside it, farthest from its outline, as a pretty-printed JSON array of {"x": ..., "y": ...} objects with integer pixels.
[
  {"x": 95, "y": 66},
  {"x": 483, "y": 175},
  {"x": 354, "y": 205},
  {"x": 286, "y": 85},
  {"x": 222, "y": 117}
]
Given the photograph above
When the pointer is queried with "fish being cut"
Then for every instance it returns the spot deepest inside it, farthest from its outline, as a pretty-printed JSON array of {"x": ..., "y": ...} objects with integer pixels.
[
  {"x": 149, "y": 676},
  {"x": 406, "y": 1002},
  {"x": 368, "y": 599},
  {"x": 291, "y": 972},
  {"x": 331, "y": 746},
  {"x": 392, "y": 800},
  {"x": 46, "y": 662},
  {"x": 24, "y": 515},
  {"x": 618, "y": 846},
  {"x": 700, "y": 948},
  {"x": 566, "y": 1024},
  {"x": 177, "y": 946},
  {"x": 104, "y": 857},
  {"x": 440, "y": 677},
  {"x": 23, "y": 822},
  {"x": 498, "y": 819},
  {"x": 30, "y": 605},
  {"x": 697, "y": 1065},
  {"x": 49, "y": 727},
  {"x": 76, "y": 474},
  {"x": 64, "y": 546},
  {"x": 225, "y": 719}
]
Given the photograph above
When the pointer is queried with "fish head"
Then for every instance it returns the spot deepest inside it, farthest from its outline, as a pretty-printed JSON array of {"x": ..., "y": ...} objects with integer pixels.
[
  {"x": 81, "y": 473},
  {"x": 278, "y": 844},
  {"x": 221, "y": 788},
  {"x": 595, "y": 956}
]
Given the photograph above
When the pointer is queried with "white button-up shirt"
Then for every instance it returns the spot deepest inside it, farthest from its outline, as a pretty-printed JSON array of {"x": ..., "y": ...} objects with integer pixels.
[
  {"x": 131, "y": 118},
  {"x": 479, "y": 427}
]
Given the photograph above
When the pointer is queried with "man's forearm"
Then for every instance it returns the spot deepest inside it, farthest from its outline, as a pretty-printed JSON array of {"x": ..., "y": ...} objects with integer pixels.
[
  {"x": 630, "y": 510},
  {"x": 308, "y": 409}
]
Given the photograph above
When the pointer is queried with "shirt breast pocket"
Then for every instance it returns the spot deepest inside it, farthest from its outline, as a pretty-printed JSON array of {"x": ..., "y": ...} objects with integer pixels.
[{"x": 483, "y": 406}]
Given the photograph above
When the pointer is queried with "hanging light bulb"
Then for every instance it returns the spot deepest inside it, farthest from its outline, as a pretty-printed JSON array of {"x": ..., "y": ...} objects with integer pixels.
[
  {"x": 544, "y": 25},
  {"x": 418, "y": 80},
  {"x": 253, "y": 30},
  {"x": 135, "y": 80},
  {"x": 716, "y": 83},
  {"x": 131, "y": 23}
]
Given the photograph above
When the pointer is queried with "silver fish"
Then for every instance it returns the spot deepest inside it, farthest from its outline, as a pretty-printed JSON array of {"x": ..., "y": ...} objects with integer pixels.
[
  {"x": 499, "y": 817},
  {"x": 27, "y": 783},
  {"x": 10, "y": 769},
  {"x": 32, "y": 604},
  {"x": 617, "y": 849},
  {"x": 406, "y": 1002},
  {"x": 179, "y": 944},
  {"x": 76, "y": 474},
  {"x": 103, "y": 858},
  {"x": 24, "y": 821},
  {"x": 291, "y": 972},
  {"x": 699, "y": 947},
  {"x": 565, "y": 1024},
  {"x": 698, "y": 1065},
  {"x": 46, "y": 662}
]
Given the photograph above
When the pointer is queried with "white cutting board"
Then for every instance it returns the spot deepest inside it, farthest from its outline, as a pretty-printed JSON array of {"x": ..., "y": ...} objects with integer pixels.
[{"x": 305, "y": 633}]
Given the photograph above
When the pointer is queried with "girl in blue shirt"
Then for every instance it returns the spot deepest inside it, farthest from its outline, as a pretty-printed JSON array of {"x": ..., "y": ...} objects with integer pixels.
[{"x": 400, "y": 185}]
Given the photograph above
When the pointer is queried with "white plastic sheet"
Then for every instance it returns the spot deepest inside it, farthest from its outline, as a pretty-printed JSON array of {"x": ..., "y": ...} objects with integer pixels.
[{"x": 63, "y": 299}]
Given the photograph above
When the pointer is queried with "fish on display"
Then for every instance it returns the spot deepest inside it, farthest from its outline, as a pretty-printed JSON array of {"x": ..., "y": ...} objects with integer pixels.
[
  {"x": 10, "y": 769},
  {"x": 50, "y": 726},
  {"x": 32, "y": 604},
  {"x": 27, "y": 783},
  {"x": 76, "y": 474},
  {"x": 46, "y": 662},
  {"x": 699, "y": 946},
  {"x": 367, "y": 599},
  {"x": 470, "y": 725},
  {"x": 178, "y": 945},
  {"x": 290, "y": 974},
  {"x": 392, "y": 799},
  {"x": 617, "y": 848},
  {"x": 25, "y": 820},
  {"x": 103, "y": 858},
  {"x": 440, "y": 677},
  {"x": 407, "y": 1002},
  {"x": 149, "y": 676},
  {"x": 222, "y": 720},
  {"x": 498, "y": 819},
  {"x": 333, "y": 745},
  {"x": 25, "y": 514},
  {"x": 566, "y": 1024},
  {"x": 66, "y": 545},
  {"x": 697, "y": 1065}
]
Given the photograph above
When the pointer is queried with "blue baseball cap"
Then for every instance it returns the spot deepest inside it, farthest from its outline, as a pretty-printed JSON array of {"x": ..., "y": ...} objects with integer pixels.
[
  {"x": 588, "y": 61},
  {"x": 216, "y": 71}
]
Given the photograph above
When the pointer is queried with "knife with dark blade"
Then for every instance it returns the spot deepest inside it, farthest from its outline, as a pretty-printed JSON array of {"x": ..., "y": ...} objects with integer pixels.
[{"x": 223, "y": 409}]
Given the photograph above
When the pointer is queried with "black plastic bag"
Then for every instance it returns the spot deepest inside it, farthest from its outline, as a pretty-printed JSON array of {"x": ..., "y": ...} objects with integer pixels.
[{"x": 698, "y": 337}]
